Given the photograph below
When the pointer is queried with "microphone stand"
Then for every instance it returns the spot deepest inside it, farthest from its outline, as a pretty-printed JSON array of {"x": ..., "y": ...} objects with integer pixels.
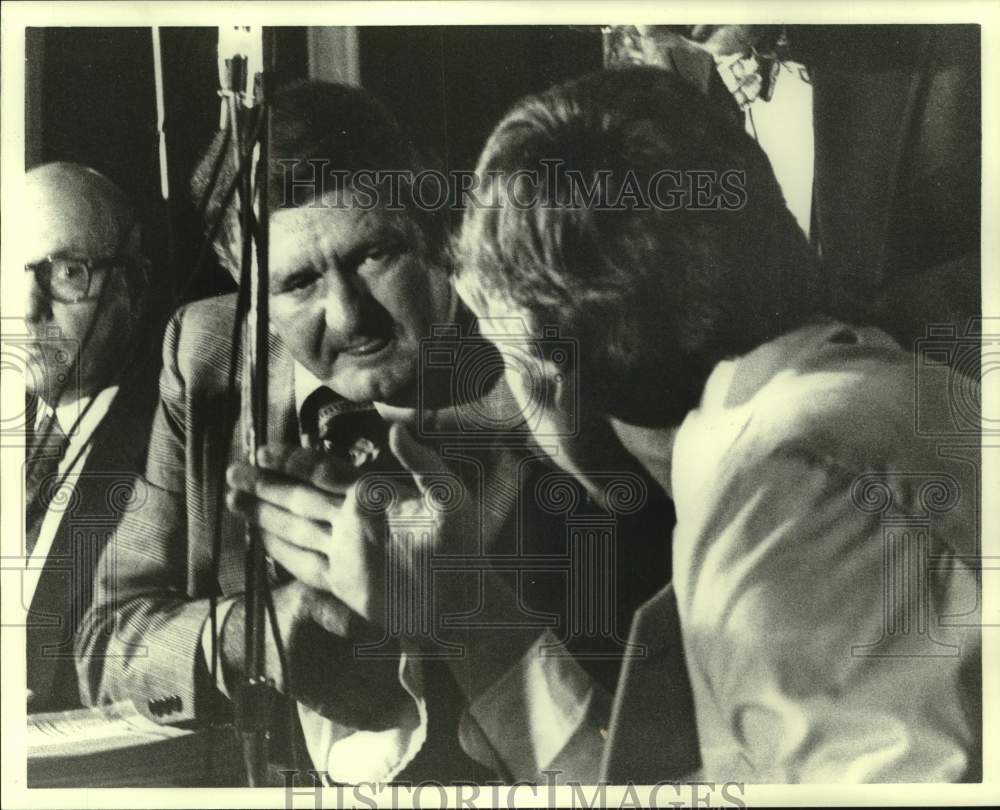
[
  {"x": 161, "y": 135},
  {"x": 256, "y": 693}
]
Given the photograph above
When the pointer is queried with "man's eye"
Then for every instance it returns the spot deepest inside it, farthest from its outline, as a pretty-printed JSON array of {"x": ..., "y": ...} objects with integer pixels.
[
  {"x": 377, "y": 256},
  {"x": 299, "y": 281},
  {"x": 69, "y": 272}
]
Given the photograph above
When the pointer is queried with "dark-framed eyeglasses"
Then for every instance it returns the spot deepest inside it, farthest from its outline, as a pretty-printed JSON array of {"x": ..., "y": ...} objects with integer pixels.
[{"x": 70, "y": 279}]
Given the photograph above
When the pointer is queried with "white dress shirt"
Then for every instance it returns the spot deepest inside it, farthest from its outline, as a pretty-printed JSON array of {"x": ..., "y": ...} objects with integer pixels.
[{"x": 780, "y": 568}]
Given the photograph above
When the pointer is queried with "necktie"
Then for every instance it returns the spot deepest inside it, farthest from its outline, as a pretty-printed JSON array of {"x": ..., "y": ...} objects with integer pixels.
[{"x": 42, "y": 478}]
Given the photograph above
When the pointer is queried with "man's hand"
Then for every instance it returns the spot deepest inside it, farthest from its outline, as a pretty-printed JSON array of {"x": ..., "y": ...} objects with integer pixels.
[
  {"x": 355, "y": 538},
  {"x": 319, "y": 635},
  {"x": 295, "y": 497},
  {"x": 329, "y": 528},
  {"x": 436, "y": 508}
]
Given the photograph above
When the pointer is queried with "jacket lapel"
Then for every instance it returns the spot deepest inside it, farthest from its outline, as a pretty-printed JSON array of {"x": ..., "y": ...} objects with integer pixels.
[
  {"x": 652, "y": 735},
  {"x": 282, "y": 420}
]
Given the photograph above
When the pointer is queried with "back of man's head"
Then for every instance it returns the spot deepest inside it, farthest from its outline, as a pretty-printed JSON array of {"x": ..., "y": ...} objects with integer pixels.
[{"x": 646, "y": 226}]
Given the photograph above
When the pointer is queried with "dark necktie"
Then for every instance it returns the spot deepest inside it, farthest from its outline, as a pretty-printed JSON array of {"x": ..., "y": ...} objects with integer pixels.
[{"x": 41, "y": 479}]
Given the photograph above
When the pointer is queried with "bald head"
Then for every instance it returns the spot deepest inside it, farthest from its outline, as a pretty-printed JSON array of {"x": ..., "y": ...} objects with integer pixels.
[
  {"x": 75, "y": 209},
  {"x": 78, "y": 222}
]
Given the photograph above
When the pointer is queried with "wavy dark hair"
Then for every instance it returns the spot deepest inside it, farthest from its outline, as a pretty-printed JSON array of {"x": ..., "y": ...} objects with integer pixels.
[
  {"x": 321, "y": 133},
  {"x": 654, "y": 295}
]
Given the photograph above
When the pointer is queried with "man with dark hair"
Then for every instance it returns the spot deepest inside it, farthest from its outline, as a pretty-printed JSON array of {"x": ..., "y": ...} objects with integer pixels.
[
  {"x": 357, "y": 281},
  {"x": 783, "y": 437},
  {"x": 90, "y": 401}
]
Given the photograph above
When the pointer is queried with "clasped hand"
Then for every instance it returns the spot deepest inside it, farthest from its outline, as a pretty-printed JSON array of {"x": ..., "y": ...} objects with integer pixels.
[{"x": 342, "y": 534}]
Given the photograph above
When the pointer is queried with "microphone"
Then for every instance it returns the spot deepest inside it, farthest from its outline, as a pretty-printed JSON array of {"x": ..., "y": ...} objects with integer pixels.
[
  {"x": 352, "y": 432},
  {"x": 240, "y": 59}
]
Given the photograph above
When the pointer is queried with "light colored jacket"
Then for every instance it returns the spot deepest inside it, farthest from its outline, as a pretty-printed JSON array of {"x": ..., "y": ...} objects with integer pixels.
[{"x": 825, "y": 599}]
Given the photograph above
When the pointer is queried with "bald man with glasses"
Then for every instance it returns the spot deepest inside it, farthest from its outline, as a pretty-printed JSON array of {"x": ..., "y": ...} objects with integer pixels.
[{"x": 90, "y": 392}]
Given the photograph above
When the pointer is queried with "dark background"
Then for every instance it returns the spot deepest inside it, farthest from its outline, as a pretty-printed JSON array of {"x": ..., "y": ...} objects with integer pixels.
[{"x": 91, "y": 99}]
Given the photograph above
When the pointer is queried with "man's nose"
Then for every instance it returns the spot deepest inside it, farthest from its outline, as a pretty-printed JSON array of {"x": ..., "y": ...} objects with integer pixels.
[{"x": 344, "y": 304}]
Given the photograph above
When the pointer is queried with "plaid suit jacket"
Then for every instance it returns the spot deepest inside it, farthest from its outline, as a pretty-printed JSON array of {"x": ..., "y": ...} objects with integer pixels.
[{"x": 141, "y": 637}]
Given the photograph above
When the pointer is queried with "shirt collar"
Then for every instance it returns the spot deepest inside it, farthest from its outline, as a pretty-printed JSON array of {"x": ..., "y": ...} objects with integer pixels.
[
  {"x": 80, "y": 416},
  {"x": 305, "y": 383},
  {"x": 653, "y": 448}
]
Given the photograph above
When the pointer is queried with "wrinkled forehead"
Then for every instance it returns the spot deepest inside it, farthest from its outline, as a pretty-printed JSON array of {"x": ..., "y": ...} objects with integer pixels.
[{"x": 337, "y": 224}]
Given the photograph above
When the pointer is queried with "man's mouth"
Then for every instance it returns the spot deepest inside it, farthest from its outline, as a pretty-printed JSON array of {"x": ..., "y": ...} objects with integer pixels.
[{"x": 365, "y": 348}]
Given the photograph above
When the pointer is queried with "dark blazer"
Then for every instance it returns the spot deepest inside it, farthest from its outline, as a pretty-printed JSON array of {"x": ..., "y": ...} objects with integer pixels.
[
  {"x": 897, "y": 173},
  {"x": 896, "y": 111},
  {"x": 103, "y": 493},
  {"x": 652, "y": 736}
]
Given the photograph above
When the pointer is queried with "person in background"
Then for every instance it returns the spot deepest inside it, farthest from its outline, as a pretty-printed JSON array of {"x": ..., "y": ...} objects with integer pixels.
[
  {"x": 89, "y": 400},
  {"x": 874, "y": 133},
  {"x": 784, "y": 437},
  {"x": 356, "y": 285}
]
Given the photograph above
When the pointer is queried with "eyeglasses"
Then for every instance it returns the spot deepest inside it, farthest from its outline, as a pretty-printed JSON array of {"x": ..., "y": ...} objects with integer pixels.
[{"x": 67, "y": 279}]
